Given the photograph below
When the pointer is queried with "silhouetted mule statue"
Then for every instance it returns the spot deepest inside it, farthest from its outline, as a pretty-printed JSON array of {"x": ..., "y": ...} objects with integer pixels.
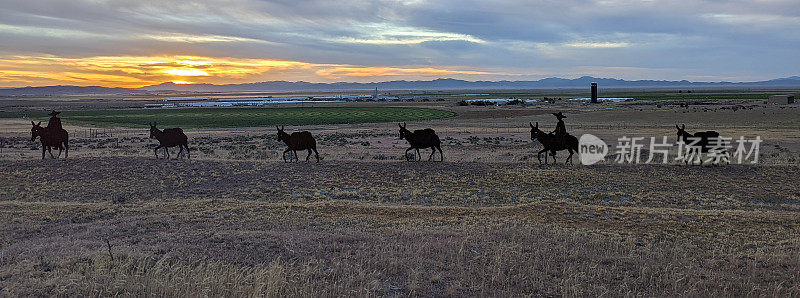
[
  {"x": 297, "y": 141},
  {"x": 421, "y": 139},
  {"x": 703, "y": 141},
  {"x": 49, "y": 138},
  {"x": 169, "y": 137},
  {"x": 551, "y": 143}
]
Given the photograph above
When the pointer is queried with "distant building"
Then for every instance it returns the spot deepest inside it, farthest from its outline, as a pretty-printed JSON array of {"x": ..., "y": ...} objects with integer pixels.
[
  {"x": 177, "y": 102},
  {"x": 185, "y": 99},
  {"x": 594, "y": 93},
  {"x": 781, "y": 99}
]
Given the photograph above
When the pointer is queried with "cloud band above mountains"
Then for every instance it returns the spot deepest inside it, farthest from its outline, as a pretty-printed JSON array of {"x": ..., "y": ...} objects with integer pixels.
[{"x": 114, "y": 42}]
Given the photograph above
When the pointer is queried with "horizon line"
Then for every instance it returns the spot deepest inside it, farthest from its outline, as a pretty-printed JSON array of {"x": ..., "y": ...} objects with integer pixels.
[{"x": 390, "y": 81}]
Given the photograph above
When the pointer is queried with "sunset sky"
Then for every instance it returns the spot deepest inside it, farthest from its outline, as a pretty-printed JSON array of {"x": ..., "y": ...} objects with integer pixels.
[{"x": 140, "y": 43}]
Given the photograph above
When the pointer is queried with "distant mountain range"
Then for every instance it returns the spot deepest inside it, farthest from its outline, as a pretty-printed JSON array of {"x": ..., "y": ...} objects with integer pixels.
[{"x": 438, "y": 84}]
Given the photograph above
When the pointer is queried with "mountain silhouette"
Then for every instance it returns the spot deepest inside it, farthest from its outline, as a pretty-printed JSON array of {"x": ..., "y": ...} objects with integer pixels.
[
  {"x": 444, "y": 84},
  {"x": 437, "y": 84}
]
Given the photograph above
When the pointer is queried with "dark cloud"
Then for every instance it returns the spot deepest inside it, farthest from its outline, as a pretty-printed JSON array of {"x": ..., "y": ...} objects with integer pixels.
[{"x": 752, "y": 39}]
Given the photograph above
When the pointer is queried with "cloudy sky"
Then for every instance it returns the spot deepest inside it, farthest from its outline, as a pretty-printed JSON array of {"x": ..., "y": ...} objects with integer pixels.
[{"x": 140, "y": 42}]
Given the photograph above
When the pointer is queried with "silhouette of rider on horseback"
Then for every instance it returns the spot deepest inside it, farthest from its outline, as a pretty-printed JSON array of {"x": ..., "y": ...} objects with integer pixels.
[
  {"x": 561, "y": 129},
  {"x": 51, "y": 136},
  {"x": 54, "y": 125}
]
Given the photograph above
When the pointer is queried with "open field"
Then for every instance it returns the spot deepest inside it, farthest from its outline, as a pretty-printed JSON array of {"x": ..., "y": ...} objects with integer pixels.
[
  {"x": 489, "y": 221},
  {"x": 335, "y": 228},
  {"x": 244, "y": 117},
  {"x": 662, "y": 94}
]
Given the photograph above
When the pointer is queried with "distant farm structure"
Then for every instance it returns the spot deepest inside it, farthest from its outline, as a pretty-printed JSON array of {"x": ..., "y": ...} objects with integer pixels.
[
  {"x": 781, "y": 99},
  {"x": 192, "y": 102},
  {"x": 499, "y": 101},
  {"x": 606, "y": 99}
]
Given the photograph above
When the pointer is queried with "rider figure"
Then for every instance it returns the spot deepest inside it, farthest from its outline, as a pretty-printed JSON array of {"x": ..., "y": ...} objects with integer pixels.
[
  {"x": 561, "y": 129},
  {"x": 55, "y": 123}
]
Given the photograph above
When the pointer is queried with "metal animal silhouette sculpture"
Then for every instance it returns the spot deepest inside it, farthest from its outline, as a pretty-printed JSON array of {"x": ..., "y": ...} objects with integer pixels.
[
  {"x": 421, "y": 139},
  {"x": 297, "y": 141},
  {"x": 50, "y": 138},
  {"x": 552, "y": 143},
  {"x": 702, "y": 144},
  {"x": 168, "y": 138}
]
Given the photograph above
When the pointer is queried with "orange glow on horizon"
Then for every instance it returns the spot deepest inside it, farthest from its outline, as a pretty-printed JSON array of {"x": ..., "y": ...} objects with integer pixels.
[
  {"x": 140, "y": 71},
  {"x": 186, "y": 72}
]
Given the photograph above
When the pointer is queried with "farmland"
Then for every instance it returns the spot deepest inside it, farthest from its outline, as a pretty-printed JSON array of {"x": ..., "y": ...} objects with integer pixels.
[
  {"x": 660, "y": 95},
  {"x": 247, "y": 117},
  {"x": 488, "y": 221}
]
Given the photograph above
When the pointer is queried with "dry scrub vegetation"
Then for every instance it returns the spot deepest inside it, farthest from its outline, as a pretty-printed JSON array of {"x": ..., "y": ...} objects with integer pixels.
[
  {"x": 234, "y": 228},
  {"x": 489, "y": 221}
]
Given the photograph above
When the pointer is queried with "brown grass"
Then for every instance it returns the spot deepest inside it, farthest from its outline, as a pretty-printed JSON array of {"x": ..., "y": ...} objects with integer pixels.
[
  {"x": 489, "y": 221},
  {"x": 241, "y": 228}
]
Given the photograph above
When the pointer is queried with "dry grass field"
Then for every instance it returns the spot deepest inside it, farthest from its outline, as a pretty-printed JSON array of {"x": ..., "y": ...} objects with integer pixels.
[{"x": 488, "y": 221}]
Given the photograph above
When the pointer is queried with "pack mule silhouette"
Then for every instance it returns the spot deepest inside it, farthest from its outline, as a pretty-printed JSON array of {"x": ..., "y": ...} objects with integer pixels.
[
  {"x": 421, "y": 139},
  {"x": 169, "y": 137},
  {"x": 50, "y": 138},
  {"x": 702, "y": 145},
  {"x": 297, "y": 141}
]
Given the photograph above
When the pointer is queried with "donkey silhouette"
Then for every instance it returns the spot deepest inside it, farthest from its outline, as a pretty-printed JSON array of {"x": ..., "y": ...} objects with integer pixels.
[
  {"x": 702, "y": 139},
  {"x": 169, "y": 137},
  {"x": 50, "y": 138},
  {"x": 421, "y": 139},
  {"x": 551, "y": 143},
  {"x": 297, "y": 141}
]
